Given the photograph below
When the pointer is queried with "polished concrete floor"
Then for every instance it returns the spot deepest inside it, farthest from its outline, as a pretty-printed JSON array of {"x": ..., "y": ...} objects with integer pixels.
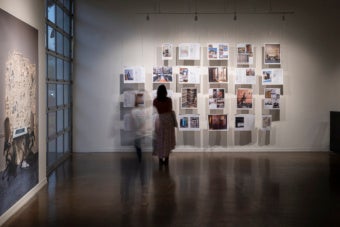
[{"x": 197, "y": 189}]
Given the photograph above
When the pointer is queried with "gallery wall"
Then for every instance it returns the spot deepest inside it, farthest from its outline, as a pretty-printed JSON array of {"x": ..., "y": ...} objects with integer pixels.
[
  {"x": 110, "y": 35},
  {"x": 31, "y": 13}
]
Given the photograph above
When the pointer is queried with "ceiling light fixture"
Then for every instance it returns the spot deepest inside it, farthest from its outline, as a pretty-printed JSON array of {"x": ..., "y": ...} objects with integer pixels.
[
  {"x": 196, "y": 17},
  {"x": 147, "y": 17},
  {"x": 235, "y": 16}
]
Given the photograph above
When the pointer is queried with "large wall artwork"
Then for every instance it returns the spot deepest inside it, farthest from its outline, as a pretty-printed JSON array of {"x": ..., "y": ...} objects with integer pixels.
[{"x": 18, "y": 109}]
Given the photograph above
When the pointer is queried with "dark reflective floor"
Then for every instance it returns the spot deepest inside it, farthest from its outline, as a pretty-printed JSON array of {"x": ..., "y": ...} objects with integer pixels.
[{"x": 198, "y": 189}]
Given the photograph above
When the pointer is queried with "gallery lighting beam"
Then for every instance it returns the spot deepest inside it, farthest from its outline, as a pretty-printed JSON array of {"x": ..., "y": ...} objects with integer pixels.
[{"x": 234, "y": 13}]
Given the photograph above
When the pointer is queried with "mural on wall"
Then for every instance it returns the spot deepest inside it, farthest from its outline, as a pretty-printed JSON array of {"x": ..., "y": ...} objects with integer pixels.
[{"x": 18, "y": 111}]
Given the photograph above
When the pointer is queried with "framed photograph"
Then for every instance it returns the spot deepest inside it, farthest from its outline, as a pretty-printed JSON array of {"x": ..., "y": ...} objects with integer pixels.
[
  {"x": 244, "y": 122},
  {"x": 134, "y": 74},
  {"x": 245, "y": 76},
  {"x": 162, "y": 74},
  {"x": 189, "y": 98},
  {"x": 189, "y": 51},
  {"x": 272, "y": 98},
  {"x": 272, "y": 76},
  {"x": 272, "y": 53},
  {"x": 266, "y": 122},
  {"x": 245, "y": 54},
  {"x": 218, "y": 122},
  {"x": 218, "y": 74},
  {"x": 189, "y": 75},
  {"x": 244, "y": 98},
  {"x": 167, "y": 51},
  {"x": 189, "y": 122},
  {"x": 218, "y": 51},
  {"x": 216, "y": 98}
]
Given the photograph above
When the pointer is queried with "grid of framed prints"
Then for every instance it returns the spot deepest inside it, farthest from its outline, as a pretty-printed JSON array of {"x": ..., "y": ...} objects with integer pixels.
[{"x": 217, "y": 76}]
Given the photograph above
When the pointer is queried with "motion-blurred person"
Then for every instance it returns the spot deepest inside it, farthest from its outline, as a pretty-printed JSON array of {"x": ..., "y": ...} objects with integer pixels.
[{"x": 165, "y": 123}]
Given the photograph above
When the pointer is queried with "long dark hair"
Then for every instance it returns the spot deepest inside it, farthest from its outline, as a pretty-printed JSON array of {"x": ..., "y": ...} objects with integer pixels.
[{"x": 161, "y": 92}]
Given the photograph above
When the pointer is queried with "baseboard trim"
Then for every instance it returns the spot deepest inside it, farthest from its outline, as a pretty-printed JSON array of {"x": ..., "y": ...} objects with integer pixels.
[
  {"x": 18, "y": 205},
  {"x": 213, "y": 149}
]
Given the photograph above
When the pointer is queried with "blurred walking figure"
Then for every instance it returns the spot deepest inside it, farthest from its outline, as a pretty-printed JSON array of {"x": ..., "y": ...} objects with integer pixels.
[
  {"x": 165, "y": 123},
  {"x": 142, "y": 122}
]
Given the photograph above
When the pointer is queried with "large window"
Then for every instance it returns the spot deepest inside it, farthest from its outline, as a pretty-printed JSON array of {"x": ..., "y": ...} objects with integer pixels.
[{"x": 59, "y": 36}]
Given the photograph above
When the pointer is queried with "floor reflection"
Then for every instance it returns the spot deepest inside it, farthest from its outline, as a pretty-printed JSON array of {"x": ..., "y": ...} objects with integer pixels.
[{"x": 197, "y": 189}]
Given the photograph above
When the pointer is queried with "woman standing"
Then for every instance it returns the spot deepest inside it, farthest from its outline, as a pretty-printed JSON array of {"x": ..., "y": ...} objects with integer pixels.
[{"x": 165, "y": 125}]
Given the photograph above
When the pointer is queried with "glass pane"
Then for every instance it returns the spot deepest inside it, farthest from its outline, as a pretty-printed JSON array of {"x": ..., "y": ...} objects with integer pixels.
[
  {"x": 60, "y": 43},
  {"x": 51, "y": 11},
  {"x": 60, "y": 120},
  {"x": 66, "y": 23},
  {"x": 66, "y": 94},
  {"x": 67, "y": 4},
  {"x": 66, "y": 117},
  {"x": 67, "y": 71},
  {"x": 52, "y": 129},
  {"x": 60, "y": 15},
  {"x": 60, "y": 95},
  {"x": 51, "y": 153},
  {"x": 60, "y": 145},
  {"x": 51, "y": 38},
  {"x": 51, "y": 69},
  {"x": 66, "y": 142},
  {"x": 60, "y": 69},
  {"x": 52, "y": 95},
  {"x": 66, "y": 47}
]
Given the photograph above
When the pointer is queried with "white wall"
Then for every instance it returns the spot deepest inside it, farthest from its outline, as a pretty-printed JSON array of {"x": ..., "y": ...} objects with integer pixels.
[
  {"x": 111, "y": 34},
  {"x": 32, "y": 12}
]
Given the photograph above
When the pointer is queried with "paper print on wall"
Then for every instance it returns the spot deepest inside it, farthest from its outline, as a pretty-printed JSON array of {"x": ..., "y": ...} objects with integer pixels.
[
  {"x": 162, "y": 74},
  {"x": 189, "y": 75},
  {"x": 218, "y": 51},
  {"x": 272, "y": 98},
  {"x": 218, "y": 74},
  {"x": 189, "y": 51},
  {"x": 244, "y": 98},
  {"x": 266, "y": 122},
  {"x": 189, "y": 122},
  {"x": 218, "y": 122},
  {"x": 167, "y": 51},
  {"x": 272, "y": 76},
  {"x": 216, "y": 98},
  {"x": 244, "y": 122},
  {"x": 18, "y": 109},
  {"x": 189, "y": 98},
  {"x": 133, "y": 98},
  {"x": 245, "y": 76},
  {"x": 272, "y": 54},
  {"x": 134, "y": 74},
  {"x": 245, "y": 54}
]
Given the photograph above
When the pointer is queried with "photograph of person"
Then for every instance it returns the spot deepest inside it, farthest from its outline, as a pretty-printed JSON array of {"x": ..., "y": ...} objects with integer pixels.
[
  {"x": 167, "y": 51},
  {"x": 244, "y": 98}
]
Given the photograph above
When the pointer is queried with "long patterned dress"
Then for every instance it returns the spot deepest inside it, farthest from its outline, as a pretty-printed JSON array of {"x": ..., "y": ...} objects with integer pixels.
[{"x": 164, "y": 141}]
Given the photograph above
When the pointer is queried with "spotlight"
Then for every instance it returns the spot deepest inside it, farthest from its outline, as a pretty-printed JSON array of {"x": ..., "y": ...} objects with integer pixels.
[
  {"x": 283, "y": 17},
  {"x": 196, "y": 17},
  {"x": 147, "y": 17},
  {"x": 235, "y": 16}
]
